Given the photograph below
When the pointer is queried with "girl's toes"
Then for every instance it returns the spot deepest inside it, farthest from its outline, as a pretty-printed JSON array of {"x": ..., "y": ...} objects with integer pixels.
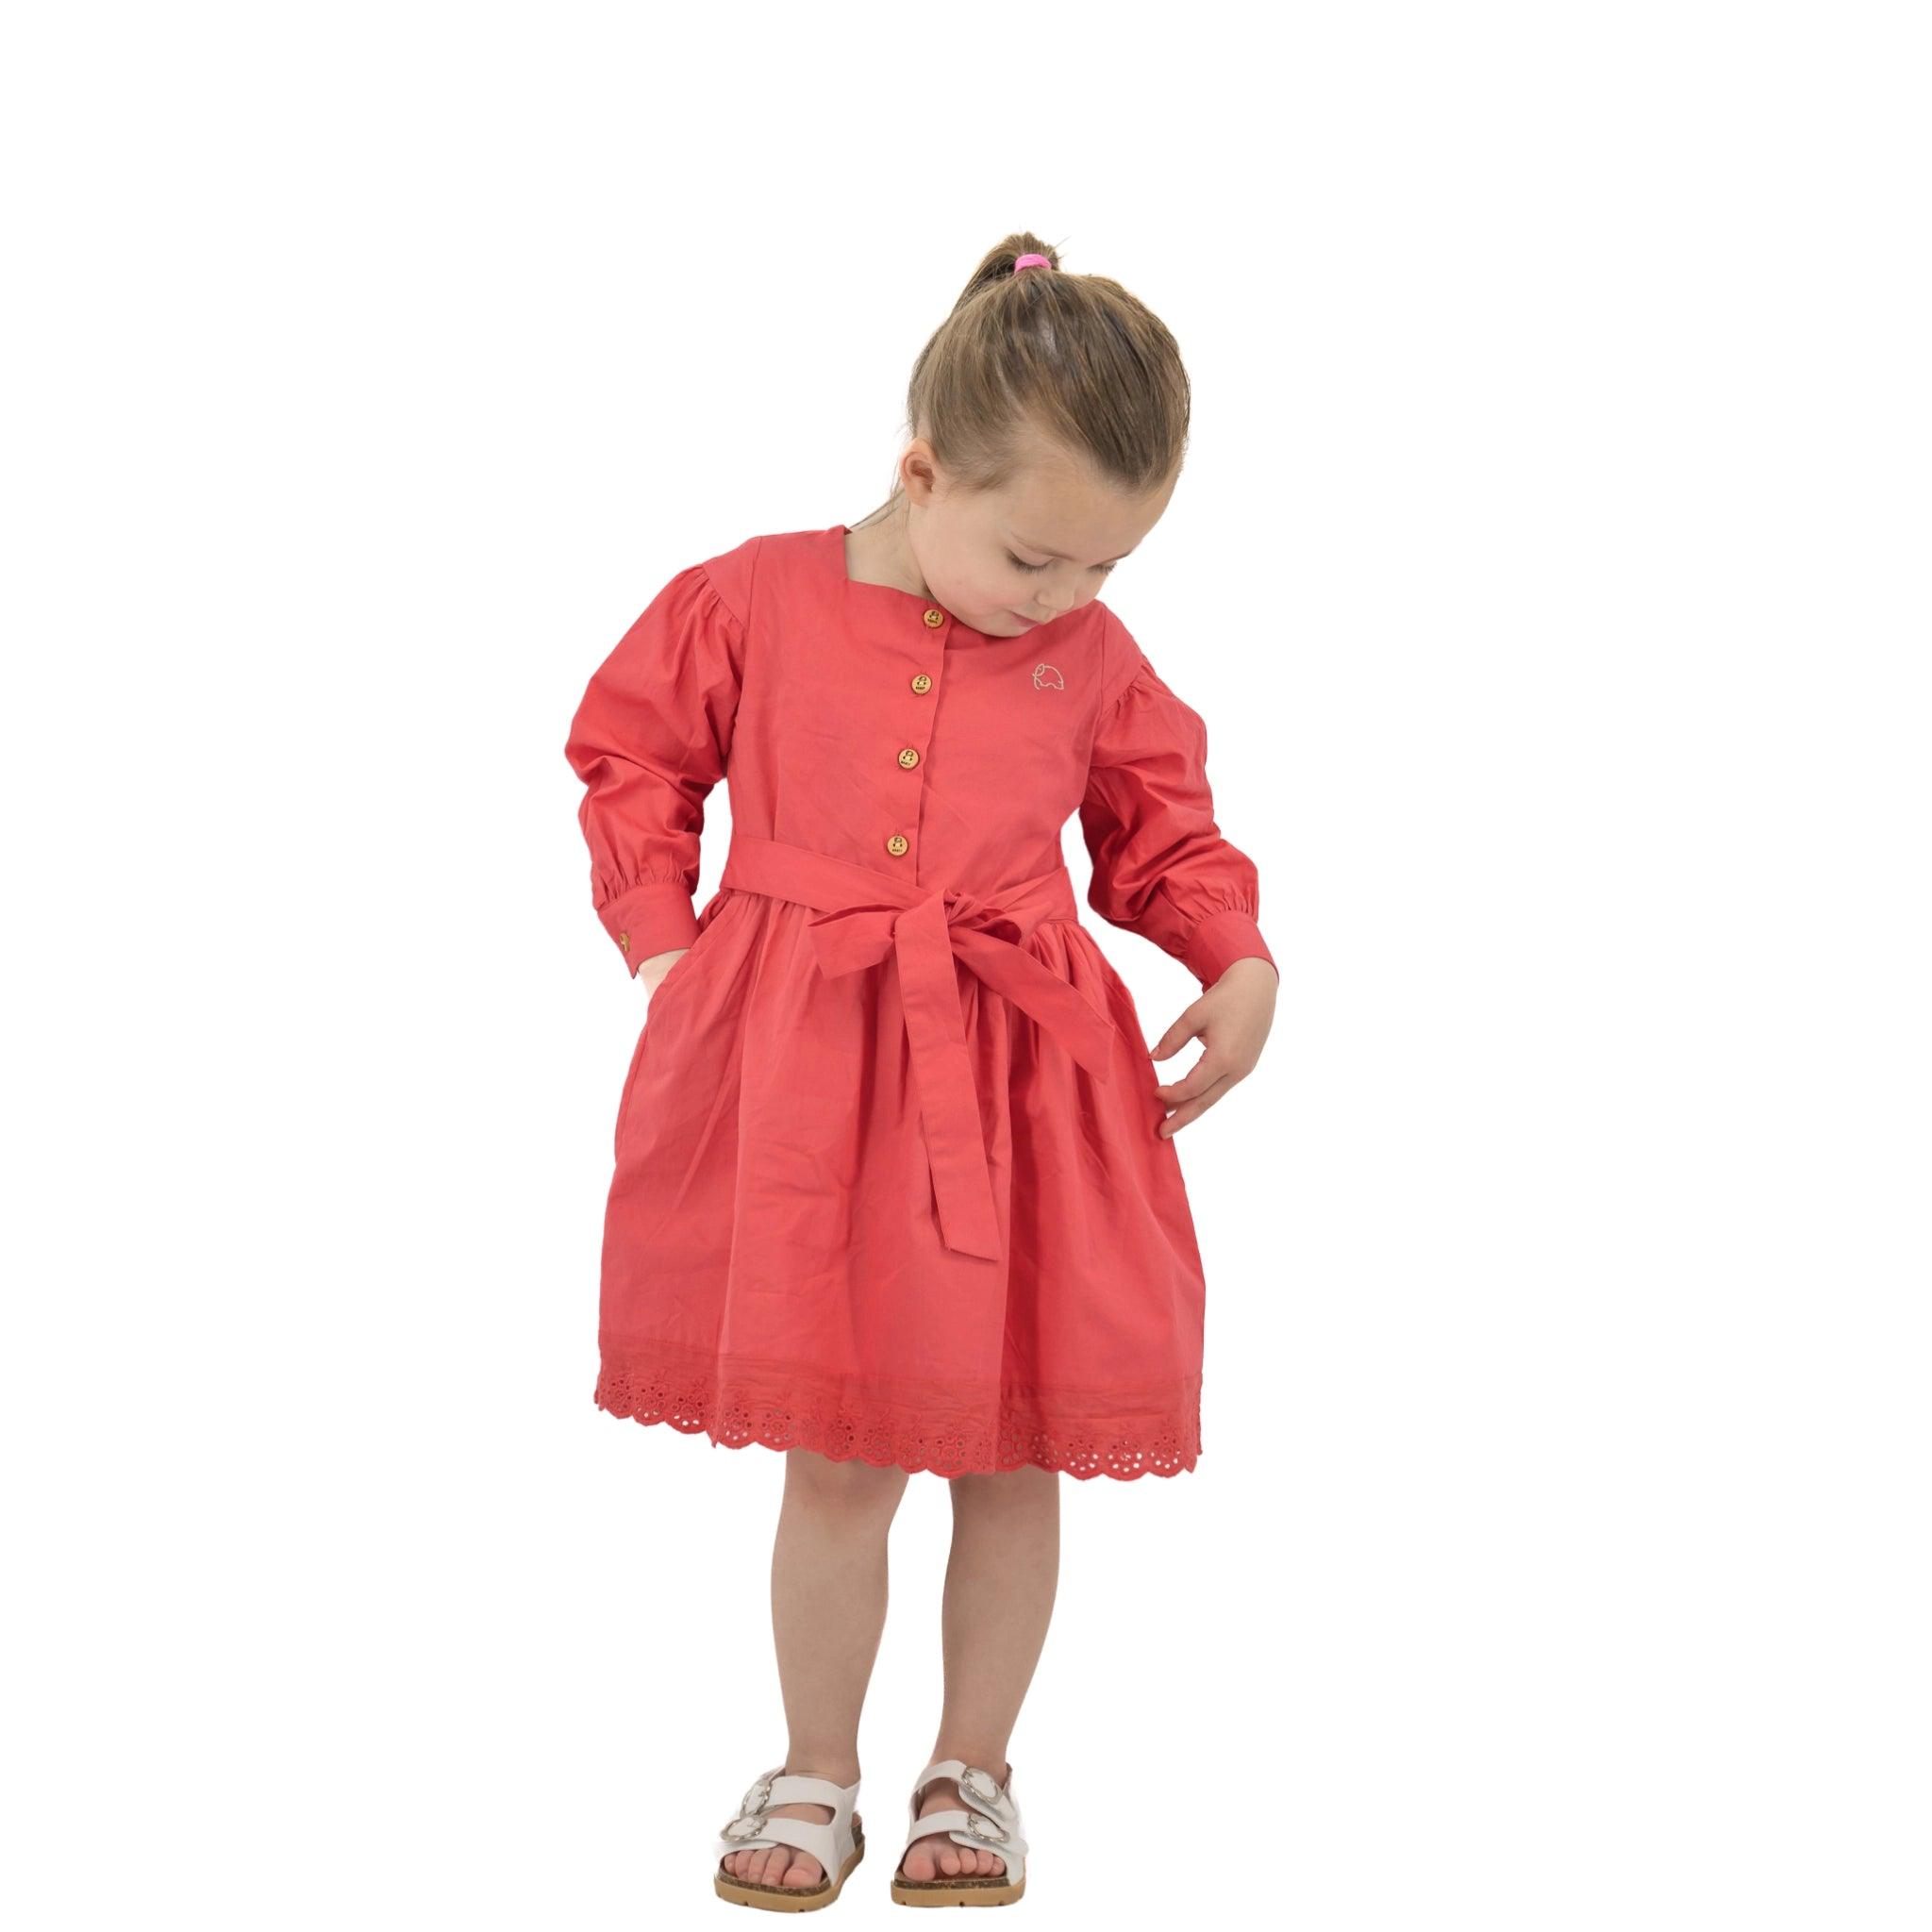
[
  {"x": 949, "y": 1859},
  {"x": 803, "y": 1872},
  {"x": 919, "y": 1863}
]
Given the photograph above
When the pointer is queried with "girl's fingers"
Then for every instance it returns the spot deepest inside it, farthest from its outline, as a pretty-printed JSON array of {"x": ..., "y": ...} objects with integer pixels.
[
  {"x": 1203, "y": 1074},
  {"x": 1192, "y": 1109},
  {"x": 1184, "y": 1029}
]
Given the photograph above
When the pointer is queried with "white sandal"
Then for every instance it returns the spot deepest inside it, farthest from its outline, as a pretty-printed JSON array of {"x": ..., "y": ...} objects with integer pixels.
[
  {"x": 837, "y": 1846},
  {"x": 991, "y": 1824}
]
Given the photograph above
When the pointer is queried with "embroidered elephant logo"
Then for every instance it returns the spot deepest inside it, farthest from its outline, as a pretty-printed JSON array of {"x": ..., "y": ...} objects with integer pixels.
[{"x": 1046, "y": 679}]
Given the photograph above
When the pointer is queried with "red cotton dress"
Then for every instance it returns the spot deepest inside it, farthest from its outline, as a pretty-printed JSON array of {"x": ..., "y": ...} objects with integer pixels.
[{"x": 886, "y": 1178}]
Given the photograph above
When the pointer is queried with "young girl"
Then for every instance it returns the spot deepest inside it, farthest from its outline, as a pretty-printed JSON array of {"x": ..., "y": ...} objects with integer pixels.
[{"x": 895, "y": 1185}]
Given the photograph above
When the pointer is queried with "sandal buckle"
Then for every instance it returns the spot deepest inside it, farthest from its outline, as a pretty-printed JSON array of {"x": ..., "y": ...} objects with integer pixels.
[
  {"x": 985, "y": 1828},
  {"x": 747, "y": 1824}
]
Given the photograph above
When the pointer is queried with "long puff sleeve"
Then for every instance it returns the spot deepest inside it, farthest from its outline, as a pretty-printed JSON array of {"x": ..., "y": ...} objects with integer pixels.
[
  {"x": 1160, "y": 865},
  {"x": 650, "y": 738}
]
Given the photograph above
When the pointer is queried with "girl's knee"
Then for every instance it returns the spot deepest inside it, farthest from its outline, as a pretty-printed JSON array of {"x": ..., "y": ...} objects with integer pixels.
[
  {"x": 1026, "y": 1486},
  {"x": 853, "y": 1484}
]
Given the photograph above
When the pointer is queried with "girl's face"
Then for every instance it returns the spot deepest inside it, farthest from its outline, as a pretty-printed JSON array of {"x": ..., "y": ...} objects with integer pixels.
[{"x": 1008, "y": 560}]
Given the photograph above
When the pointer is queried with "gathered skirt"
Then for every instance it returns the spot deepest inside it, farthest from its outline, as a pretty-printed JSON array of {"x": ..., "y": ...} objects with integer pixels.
[{"x": 774, "y": 1270}]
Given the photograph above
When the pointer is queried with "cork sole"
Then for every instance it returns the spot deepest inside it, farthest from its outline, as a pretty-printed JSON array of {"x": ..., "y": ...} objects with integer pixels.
[
  {"x": 956, "y": 1891},
  {"x": 792, "y": 1898}
]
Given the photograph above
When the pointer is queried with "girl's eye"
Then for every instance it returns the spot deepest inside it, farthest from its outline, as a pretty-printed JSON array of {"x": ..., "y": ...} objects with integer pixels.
[{"x": 1021, "y": 563}]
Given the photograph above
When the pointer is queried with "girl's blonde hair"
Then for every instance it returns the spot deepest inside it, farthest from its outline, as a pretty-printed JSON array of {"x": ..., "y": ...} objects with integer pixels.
[{"x": 1073, "y": 358}]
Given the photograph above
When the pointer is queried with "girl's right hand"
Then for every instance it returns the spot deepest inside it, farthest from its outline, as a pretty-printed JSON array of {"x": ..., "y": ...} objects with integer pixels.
[{"x": 654, "y": 969}]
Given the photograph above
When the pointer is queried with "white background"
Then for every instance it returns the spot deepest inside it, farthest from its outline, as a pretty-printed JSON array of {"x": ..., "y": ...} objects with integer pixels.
[{"x": 1551, "y": 569}]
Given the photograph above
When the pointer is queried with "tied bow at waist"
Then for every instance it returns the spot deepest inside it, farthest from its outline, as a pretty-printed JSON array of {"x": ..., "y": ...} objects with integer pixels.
[{"x": 864, "y": 915}]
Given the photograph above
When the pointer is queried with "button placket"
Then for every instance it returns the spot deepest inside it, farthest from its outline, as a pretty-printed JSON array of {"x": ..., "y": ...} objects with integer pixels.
[{"x": 921, "y": 683}]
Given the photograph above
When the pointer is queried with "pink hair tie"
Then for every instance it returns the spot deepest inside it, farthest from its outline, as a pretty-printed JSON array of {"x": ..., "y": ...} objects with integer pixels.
[{"x": 1031, "y": 262}]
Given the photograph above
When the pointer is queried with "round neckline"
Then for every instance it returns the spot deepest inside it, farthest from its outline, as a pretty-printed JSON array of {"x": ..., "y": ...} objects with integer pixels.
[{"x": 837, "y": 534}]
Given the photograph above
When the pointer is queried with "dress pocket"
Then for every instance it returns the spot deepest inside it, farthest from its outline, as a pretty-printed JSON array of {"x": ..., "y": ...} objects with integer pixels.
[
  {"x": 675, "y": 972},
  {"x": 672, "y": 981},
  {"x": 630, "y": 1080}
]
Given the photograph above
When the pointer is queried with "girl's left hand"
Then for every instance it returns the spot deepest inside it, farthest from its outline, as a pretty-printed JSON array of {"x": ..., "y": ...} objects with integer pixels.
[{"x": 1231, "y": 1019}]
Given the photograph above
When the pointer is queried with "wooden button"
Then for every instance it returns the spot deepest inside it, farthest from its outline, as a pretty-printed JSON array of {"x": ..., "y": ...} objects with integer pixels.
[
  {"x": 922, "y": 684},
  {"x": 624, "y": 941},
  {"x": 935, "y": 618},
  {"x": 896, "y": 844},
  {"x": 908, "y": 758}
]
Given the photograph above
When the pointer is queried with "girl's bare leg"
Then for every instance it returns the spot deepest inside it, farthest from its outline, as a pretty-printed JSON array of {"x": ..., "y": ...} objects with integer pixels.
[
  {"x": 1000, "y": 1585},
  {"x": 828, "y": 1611}
]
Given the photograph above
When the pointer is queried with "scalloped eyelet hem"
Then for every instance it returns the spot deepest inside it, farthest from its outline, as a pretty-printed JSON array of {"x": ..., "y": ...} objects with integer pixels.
[{"x": 845, "y": 1428}]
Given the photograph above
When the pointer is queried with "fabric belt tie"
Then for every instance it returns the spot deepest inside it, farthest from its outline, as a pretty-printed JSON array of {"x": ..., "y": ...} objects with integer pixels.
[{"x": 864, "y": 915}]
